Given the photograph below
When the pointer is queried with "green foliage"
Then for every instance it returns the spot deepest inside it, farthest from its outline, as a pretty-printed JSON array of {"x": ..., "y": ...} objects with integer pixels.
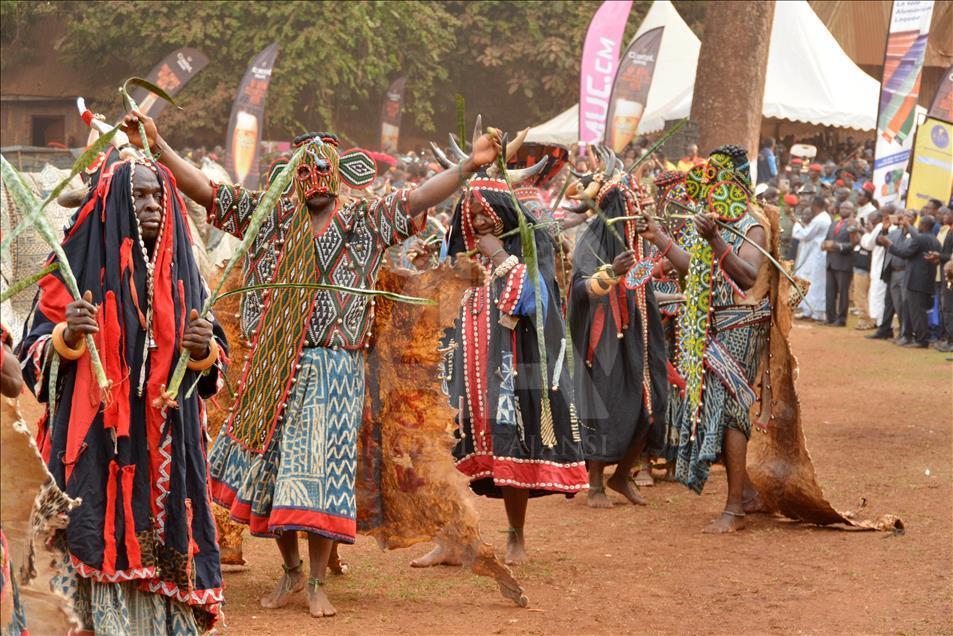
[{"x": 516, "y": 62}]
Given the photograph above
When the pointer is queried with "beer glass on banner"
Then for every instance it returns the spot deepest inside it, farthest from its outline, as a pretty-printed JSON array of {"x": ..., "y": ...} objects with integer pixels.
[
  {"x": 244, "y": 140},
  {"x": 625, "y": 121},
  {"x": 389, "y": 136}
]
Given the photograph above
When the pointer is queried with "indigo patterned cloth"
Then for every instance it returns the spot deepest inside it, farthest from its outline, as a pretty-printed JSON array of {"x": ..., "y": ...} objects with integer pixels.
[
  {"x": 305, "y": 478},
  {"x": 731, "y": 366},
  {"x": 122, "y": 609}
]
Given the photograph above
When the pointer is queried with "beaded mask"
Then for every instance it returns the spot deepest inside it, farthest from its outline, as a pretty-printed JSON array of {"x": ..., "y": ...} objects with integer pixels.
[
  {"x": 318, "y": 172},
  {"x": 323, "y": 169},
  {"x": 722, "y": 184}
]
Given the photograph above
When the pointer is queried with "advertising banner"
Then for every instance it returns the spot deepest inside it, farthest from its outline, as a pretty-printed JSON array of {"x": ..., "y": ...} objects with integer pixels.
[
  {"x": 932, "y": 174},
  {"x": 170, "y": 75},
  {"x": 942, "y": 107},
  {"x": 390, "y": 116},
  {"x": 631, "y": 88},
  {"x": 899, "y": 92},
  {"x": 600, "y": 59},
  {"x": 245, "y": 123}
]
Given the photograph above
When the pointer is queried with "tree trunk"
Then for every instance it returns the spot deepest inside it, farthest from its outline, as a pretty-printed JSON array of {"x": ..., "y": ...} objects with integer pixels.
[{"x": 729, "y": 83}]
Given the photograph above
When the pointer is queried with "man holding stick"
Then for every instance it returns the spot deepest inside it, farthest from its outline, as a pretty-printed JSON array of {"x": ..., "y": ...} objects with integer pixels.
[{"x": 285, "y": 462}]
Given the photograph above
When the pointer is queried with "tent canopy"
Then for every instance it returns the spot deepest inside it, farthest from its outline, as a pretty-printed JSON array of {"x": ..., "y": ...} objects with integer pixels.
[{"x": 809, "y": 77}]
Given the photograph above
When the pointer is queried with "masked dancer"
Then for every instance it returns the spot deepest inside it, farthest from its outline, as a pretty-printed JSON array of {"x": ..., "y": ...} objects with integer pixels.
[
  {"x": 286, "y": 460},
  {"x": 723, "y": 328}
]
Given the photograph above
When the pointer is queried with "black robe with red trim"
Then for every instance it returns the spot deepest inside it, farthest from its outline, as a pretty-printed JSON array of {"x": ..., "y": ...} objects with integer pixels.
[
  {"x": 139, "y": 467},
  {"x": 492, "y": 371},
  {"x": 619, "y": 404}
]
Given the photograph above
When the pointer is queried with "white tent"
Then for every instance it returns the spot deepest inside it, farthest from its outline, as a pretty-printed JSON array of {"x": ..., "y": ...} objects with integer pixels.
[{"x": 809, "y": 77}]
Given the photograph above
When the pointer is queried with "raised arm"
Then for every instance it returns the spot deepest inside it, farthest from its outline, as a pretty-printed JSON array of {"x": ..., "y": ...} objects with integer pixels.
[
  {"x": 907, "y": 248},
  {"x": 441, "y": 186},
  {"x": 742, "y": 266},
  {"x": 869, "y": 240},
  {"x": 189, "y": 179}
]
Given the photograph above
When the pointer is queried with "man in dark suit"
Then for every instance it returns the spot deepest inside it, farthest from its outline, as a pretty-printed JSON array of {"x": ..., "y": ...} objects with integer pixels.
[
  {"x": 839, "y": 245},
  {"x": 917, "y": 247},
  {"x": 944, "y": 289}
]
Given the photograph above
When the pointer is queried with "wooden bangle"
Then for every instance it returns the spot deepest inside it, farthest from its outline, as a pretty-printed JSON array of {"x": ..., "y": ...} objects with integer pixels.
[
  {"x": 598, "y": 288},
  {"x": 64, "y": 350},
  {"x": 207, "y": 361},
  {"x": 605, "y": 277}
]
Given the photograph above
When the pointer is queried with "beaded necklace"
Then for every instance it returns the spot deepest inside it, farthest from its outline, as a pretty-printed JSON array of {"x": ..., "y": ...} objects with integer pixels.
[{"x": 150, "y": 262}]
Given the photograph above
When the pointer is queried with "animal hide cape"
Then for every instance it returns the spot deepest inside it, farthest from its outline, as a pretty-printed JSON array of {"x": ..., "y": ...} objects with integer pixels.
[
  {"x": 408, "y": 490},
  {"x": 32, "y": 508},
  {"x": 228, "y": 313},
  {"x": 778, "y": 461}
]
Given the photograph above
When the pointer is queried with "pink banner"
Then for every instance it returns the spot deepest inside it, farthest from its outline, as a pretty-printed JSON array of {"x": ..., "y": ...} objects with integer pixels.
[{"x": 600, "y": 59}]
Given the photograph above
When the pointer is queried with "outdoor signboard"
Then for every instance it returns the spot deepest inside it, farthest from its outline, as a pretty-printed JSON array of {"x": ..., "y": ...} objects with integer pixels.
[
  {"x": 390, "y": 116},
  {"x": 631, "y": 88},
  {"x": 600, "y": 59},
  {"x": 245, "y": 123},
  {"x": 171, "y": 74},
  {"x": 899, "y": 92}
]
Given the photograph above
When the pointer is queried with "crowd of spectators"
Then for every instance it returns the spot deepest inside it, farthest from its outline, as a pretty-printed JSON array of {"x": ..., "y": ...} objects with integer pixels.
[{"x": 889, "y": 265}]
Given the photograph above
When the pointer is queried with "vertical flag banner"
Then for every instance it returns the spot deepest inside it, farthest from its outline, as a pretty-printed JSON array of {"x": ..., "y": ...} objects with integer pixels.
[
  {"x": 600, "y": 59},
  {"x": 631, "y": 88},
  {"x": 170, "y": 75},
  {"x": 932, "y": 174},
  {"x": 248, "y": 112},
  {"x": 390, "y": 115},
  {"x": 942, "y": 107},
  {"x": 899, "y": 91}
]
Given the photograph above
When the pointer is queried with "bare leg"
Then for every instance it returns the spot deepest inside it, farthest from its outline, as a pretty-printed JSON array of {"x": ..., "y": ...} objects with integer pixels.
[
  {"x": 319, "y": 551},
  {"x": 643, "y": 477},
  {"x": 293, "y": 580},
  {"x": 735, "y": 454},
  {"x": 515, "y": 500},
  {"x": 621, "y": 480},
  {"x": 752, "y": 498},
  {"x": 597, "y": 487},
  {"x": 336, "y": 565}
]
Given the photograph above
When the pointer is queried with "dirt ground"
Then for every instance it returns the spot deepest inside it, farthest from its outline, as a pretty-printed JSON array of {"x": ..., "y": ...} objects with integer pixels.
[{"x": 878, "y": 424}]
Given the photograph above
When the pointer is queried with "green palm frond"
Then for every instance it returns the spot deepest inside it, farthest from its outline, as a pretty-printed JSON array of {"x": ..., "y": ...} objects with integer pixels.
[
  {"x": 23, "y": 196},
  {"x": 131, "y": 105},
  {"x": 23, "y": 283},
  {"x": 25, "y": 200}
]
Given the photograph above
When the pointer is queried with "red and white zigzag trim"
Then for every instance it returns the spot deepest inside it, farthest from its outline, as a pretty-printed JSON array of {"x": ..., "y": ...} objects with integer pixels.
[{"x": 162, "y": 484}]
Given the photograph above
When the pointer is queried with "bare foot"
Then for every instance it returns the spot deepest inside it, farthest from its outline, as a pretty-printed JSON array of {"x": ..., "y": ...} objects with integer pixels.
[
  {"x": 753, "y": 504},
  {"x": 440, "y": 555},
  {"x": 290, "y": 584},
  {"x": 515, "y": 548},
  {"x": 318, "y": 604},
  {"x": 337, "y": 566},
  {"x": 623, "y": 485},
  {"x": 725, "y": 523},
  {"x": 597, "y": 498},
  {"x": 643, "y": 478}
]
